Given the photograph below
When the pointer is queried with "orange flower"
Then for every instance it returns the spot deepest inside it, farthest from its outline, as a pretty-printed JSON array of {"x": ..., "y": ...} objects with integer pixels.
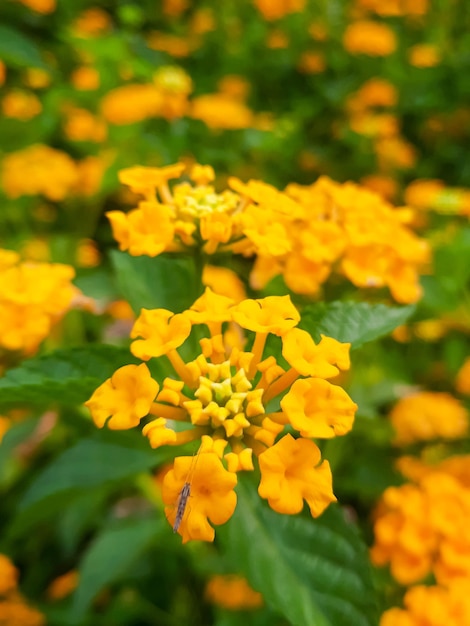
[
  {"x": 233, "y": 593},
  {"x": 21, "y": 105},
  {"x": 8, "y": 575},
  {"x": 310, "y": 359},
  {"x": 218, "y": 111},
  {"x": 290, "y": 474},
  {"x": 132, "y": 103},
  {"x": 277, "y": 9},
  {"x": 428, "y": 415},
  {"x": 462, "y": 383},
  {"x": 40, "y": 6},
  {"x": 424, "y": 55},
  {"x": 371, "y": 38},
  {"x": 211, "y": 496},
  {"x": 125, "y": 398}
]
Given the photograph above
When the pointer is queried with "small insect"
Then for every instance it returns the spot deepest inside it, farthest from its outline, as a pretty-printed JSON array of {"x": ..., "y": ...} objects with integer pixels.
[{"x": 184, "y": 495}]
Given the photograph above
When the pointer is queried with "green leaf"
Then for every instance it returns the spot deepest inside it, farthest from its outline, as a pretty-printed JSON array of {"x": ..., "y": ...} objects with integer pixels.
[
  {"x": 88, "y": 464},
  {"x": 168, "y": 282},
  {"x": 17, "y": 49},
  {"x": 109, "y": 558},
  {"x": 67, "y": 376},
  {"x": 314, "y": 572},
  {"x": 353, "y": 322}
]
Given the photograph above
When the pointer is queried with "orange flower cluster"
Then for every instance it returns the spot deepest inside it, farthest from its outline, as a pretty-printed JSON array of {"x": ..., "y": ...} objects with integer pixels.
[
  {"x": 277, "y": 9},
  {"x": 21, "y": 105},
  {"x": 365, "y": 110},
  {"x": 392, "y": 8},
  {"x": 462, "y": 382},
  {"x": 434, "y": 195},
  {"x": 13, "y": 609},
  {"x": 51, "y": 173},
  {"x": 233, "y": 400},
  {"x": 428, "y": 415},
  {"x": 166, "y": 97},
  {"x": 422, "y": 528},
  {"x": 232, "y": 593},
  {"x": 369, "y": 37},
  {"x": 432, "y": 606},
  {"x": 301, "y": 233},
  {"x": 33, "y": 297},
  {"x": 40, "y": 6}
]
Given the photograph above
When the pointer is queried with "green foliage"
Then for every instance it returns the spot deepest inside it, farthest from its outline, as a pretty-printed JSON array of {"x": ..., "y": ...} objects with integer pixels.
[
  {"x": 310, "y": 571},
  {"x": 18, "y": 49},
  {"x": 166, "y": 282},
  {"x": 353, "y": 322},
  {"x": 65, "y": 377},
  {"x": 109, "y": 558}
]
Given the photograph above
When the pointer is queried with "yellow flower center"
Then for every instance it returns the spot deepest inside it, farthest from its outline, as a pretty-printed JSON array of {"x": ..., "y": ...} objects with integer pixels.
[
  {"x": 195, "y": 202},
  {"x": 225, "y": 399}
]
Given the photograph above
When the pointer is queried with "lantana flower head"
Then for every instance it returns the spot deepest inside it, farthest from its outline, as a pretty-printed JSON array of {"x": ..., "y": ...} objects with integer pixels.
[
  {"x": 33, "y": 297},
  {"x": 237, "y": 402}
]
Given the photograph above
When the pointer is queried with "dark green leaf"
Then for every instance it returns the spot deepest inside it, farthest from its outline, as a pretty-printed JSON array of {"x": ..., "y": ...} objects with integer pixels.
[
  {"x": 86, "y": 465},
  {"x": 353, "y": 322},
  {"x": 314, "y": 572},
  {"x": 66, "y": 376},
  {"x": 161, "y": 282},
  {"x": 109, "y": 558},
  {"x": 17, "y": 49}
]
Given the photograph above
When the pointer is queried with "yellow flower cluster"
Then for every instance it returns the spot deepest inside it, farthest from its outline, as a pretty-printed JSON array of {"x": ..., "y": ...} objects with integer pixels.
[
  {"x": 51, "y": 173},
  {"x": 237, "y": 402},
  {"x": 13, "y": 609},
  {"x": 33, "y": 297},
  {"x": 422, "y": 528},
  {"x": 428, "y": 415},
  {"x": 302, "y": 233}
]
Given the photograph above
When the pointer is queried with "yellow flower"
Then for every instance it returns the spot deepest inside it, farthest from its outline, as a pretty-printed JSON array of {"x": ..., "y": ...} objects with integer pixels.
[
  {"x": 233, "y": 593},
  {"x": 161, "y": 330},
  {"x": 428, "y": 415},
  {"x": 124, "y": 399},
  {"x": 224, "y": 282},
  {"x": 146, "y": 230},
  {"x": 291, "y": 473},
  {"x": 310, "y": 359},
  {"x": 371, "y": 38},
  {"x": 222, "y": 397},
  {"x": 316, "y": 408},
  {"x": 211, "y": 497}
]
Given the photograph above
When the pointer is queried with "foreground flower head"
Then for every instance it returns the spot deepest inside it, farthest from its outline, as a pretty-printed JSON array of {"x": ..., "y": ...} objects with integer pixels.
[{"x": 237, "y": 402}]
